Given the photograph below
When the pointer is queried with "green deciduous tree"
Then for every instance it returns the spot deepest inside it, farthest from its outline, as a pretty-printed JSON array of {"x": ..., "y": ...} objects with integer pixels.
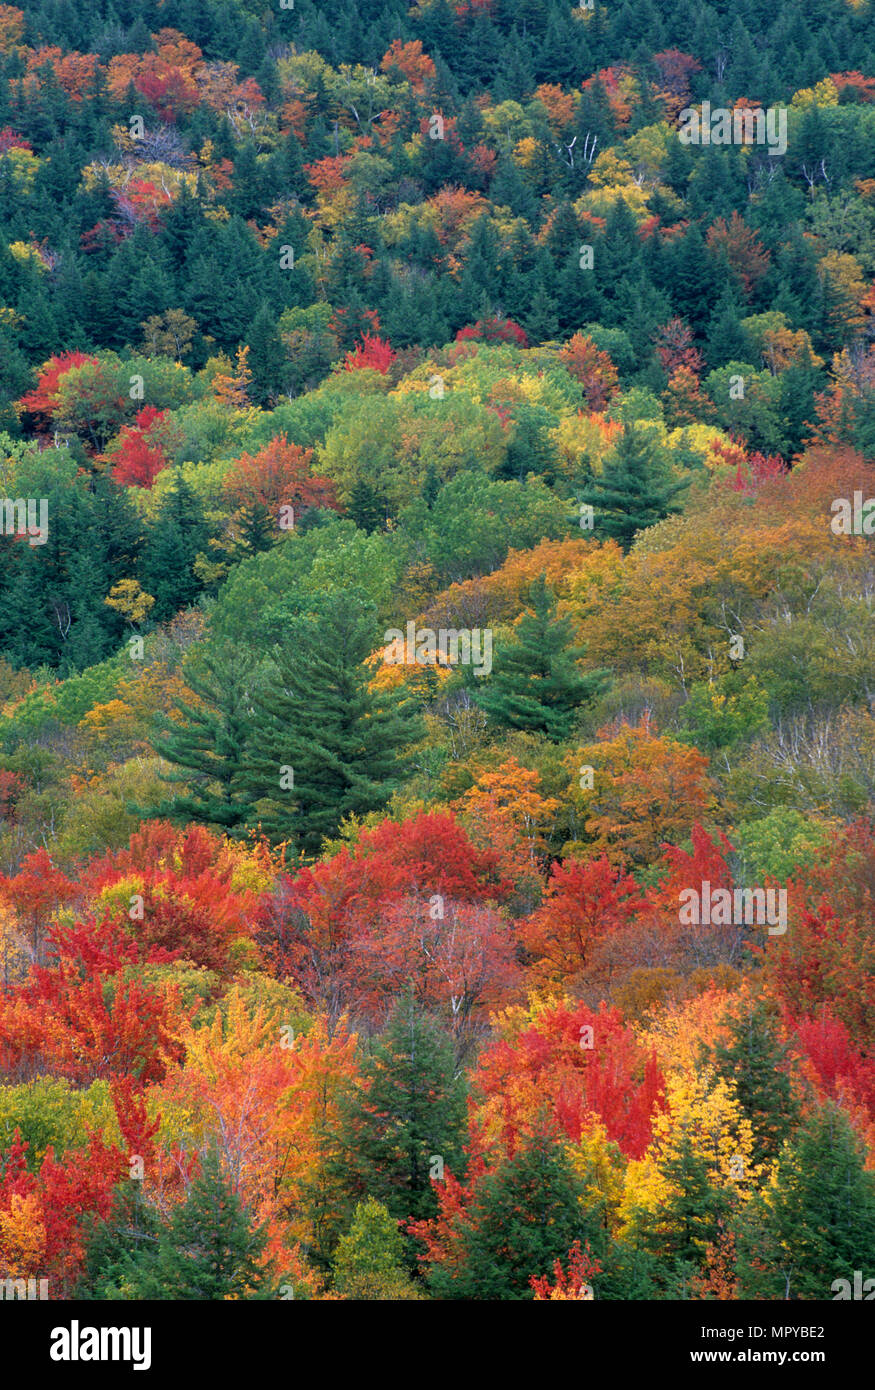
[{"x": 368, "y": 1263}]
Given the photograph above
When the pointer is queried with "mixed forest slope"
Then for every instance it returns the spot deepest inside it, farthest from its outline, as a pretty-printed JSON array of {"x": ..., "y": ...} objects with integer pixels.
[{"x": 437, "y": 660}]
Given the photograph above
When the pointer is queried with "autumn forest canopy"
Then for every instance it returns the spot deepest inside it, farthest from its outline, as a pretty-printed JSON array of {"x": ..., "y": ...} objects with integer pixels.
[{"x": 437, "y": 658}]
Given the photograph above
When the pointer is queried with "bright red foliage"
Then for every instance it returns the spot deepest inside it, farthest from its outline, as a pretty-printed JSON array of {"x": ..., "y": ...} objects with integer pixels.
[
  {"x": 141, "y": 201},
  {"x": 582, "y": 1267},
  {"x": 189, "y": 910},
  {"x": 585, "y": 899},
  {"x": 757, "y": 470},
  {"x": 48, "y": 1213},
  {"x": 84, "y": 1028},
  {"x": 141, "y": 450},
  {"x": 690, "y": 869},
  {"x": 843, "y": 1072},
  {"x": 494, "y": 330},
  {"x": 279, "y": 474},
  {"x": 321, "y": 932},
  {"x": 42, "y": 401},
  {"x": 36, "y": 892},
  {"x": 579, "y": 1062},
  {"x": 9, "y": 140},
  {"x": 376, "y": 353}
]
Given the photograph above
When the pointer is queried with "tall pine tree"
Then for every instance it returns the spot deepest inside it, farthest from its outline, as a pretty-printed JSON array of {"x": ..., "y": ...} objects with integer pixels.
[
  {"x": 754, "y": 1059},
  {"x": 632, "y": 492},
  {"x": 408, "y": 1114},
  {"x": 210, "y": 1249},
  {"x": 324, "y": 746},
  {"x": 815, "y": 1221},
  {"x": 536, "y": 684},
  {"x": 205, "y": 743}
]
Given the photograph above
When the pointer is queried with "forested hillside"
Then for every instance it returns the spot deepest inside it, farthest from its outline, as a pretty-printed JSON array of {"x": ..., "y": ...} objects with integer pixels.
[{"x": 437, "y": 659}]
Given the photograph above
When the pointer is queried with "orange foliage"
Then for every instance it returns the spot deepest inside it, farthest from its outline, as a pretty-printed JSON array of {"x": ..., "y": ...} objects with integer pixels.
[
  {"x": 74, "y": 71},
  {"x": 232, "y": 388},
  {"x": 506, "y": 812},
  {"x": 646, "y": 789},
  {"x": 559, "y": 105},
  {"x": 11, "y": 27},
  {"x": 741, "y": 248},
  {"x": 410, "y": 60},
  {"x": 271, "y": 1097},
  {"x": 279, "y": 474},
  {"x": 592, "y": 368}
]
